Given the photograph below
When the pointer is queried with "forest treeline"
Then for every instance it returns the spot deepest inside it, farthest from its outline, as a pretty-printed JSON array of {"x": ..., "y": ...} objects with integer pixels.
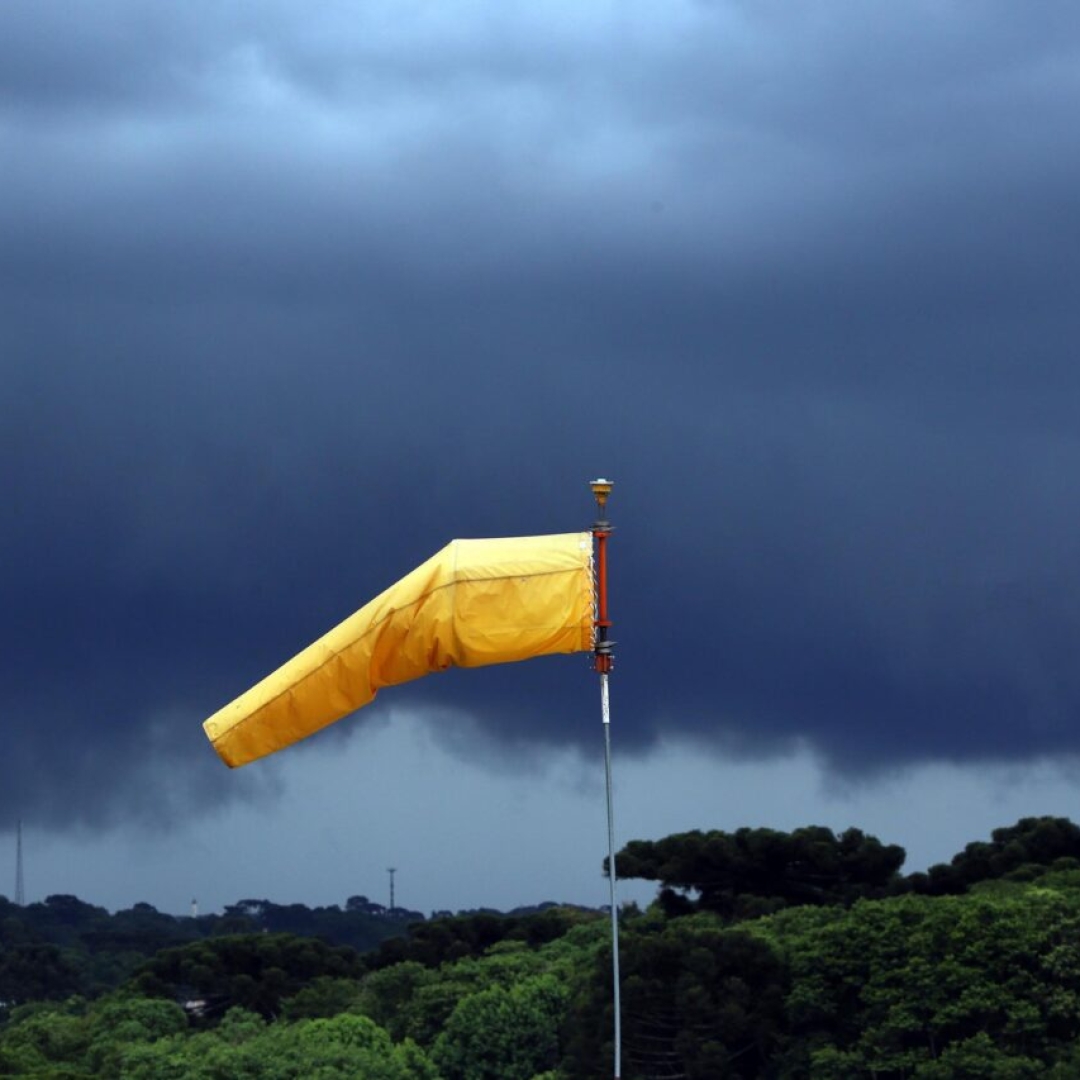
[
  {"x": 767, "y": 954},
  {"x": 64, "y": 946}
]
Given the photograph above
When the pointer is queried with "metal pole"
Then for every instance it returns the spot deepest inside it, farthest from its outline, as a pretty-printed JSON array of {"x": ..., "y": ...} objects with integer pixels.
[
  {"x": 605, "y": 706},
  {"x": 603, "y": 662}
]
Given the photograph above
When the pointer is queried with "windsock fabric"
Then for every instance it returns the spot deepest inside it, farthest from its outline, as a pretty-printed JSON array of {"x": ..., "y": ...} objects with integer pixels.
[{"x": 476, "y": 602}]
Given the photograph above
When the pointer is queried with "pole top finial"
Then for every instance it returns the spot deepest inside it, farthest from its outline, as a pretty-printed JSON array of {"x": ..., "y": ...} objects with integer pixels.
[{"x": 601, "y": 489}]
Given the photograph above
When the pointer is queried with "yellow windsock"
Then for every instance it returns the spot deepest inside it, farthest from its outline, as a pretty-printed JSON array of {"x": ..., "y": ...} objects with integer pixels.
[{"x": 474, "y": 603}]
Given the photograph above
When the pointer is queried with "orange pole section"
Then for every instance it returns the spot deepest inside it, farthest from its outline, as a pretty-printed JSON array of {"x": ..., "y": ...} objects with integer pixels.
[{"x": 604, "y": 660}]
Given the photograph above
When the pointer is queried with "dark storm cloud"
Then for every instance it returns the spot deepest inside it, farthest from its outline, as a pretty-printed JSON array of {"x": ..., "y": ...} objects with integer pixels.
[{"x": 288, "y": 303}]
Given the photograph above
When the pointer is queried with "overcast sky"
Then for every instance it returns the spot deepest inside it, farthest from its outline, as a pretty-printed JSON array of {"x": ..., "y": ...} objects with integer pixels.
[{"x": 293, "y": 296}]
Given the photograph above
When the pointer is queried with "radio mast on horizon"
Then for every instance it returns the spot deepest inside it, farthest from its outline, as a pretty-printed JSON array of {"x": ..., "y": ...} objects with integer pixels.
[
  {"x": 20, "y": 884},
  {"x": 391, "y": 870}
]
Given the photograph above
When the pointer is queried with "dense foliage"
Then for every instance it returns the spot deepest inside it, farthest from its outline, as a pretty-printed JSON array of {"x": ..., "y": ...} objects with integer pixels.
[
  {"x": 1019, "y": 851},
  {"x": 441, "y": 940},
  {"x": 755, "y": 871},
  {"x": 255, "y": 972},
  {"x": 853, "y": 971},
  {"x": 64, "y": 946}
]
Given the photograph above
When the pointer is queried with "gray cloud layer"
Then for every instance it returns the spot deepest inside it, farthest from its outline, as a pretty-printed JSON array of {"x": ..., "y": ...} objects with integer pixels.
[{"x": 290, "y": 300}]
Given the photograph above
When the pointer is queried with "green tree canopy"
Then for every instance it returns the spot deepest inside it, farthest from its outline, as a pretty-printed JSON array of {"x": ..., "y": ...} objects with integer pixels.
[
  {"x": 256, "y": 971},
  {"x": 698, "y": 1000},
  {"x": 1032, "y": 843},
  {"x": 754, "y": 871}
]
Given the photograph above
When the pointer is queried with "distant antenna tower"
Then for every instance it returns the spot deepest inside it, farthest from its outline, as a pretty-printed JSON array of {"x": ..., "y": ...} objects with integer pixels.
[
  {"x": 20, "y": 884},
  {"x": 194, "y": 909},
  {"x": 391, "y": 870}
]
